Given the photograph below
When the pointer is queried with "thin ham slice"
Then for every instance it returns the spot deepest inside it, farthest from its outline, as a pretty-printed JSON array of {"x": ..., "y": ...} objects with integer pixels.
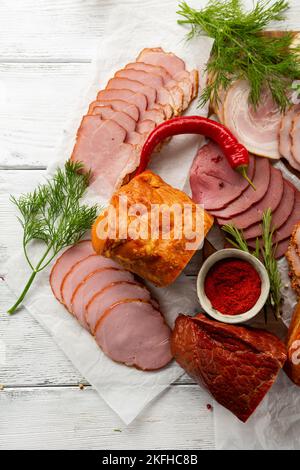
[
  {"x": 256, "y": 129},
  {"x": 138, "y": 99},
  {"x": 112, "y": 293},
  {"x": 100, "y": 147},
  {"x": 134, "y": 333},
  {"x": 123, "y": 119},
  {"x": 65, "y": 262},
  {"x": 279, "y": 216},
  {"x": 90, "y": 285},
  {"x": 118, "y": 83},
  {"x": 295, "y": 136},
  {"x": 79, "y": 271},
  {"x": 261, "y": 180},
  {"x": 254, "y": 214},
  {"x": 213, "y": 182},
  {"x": 285, "y": 140},
  {"x": 286, "y": 229},
  {"x": 118, "y": 105},
  {"x": 282, "y": 248}
]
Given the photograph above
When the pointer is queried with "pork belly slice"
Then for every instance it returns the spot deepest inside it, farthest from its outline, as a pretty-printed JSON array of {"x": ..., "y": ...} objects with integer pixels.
[
  {"x": 295, "y": 136},
  {"x": 254, "y": 214},
  {"x": 279, "y": 216},
  {"x": 238, "y": 365},
  {"x": 117, "y": 105},
  {"x": 78, "y": 273},
  {"x": 134, "y": 333},
  {"x": 105, "y": 297},
  {"x": 90, "y": 285},
  {"x": 65, "y": 262},
  {"x": 261, "y": 180},
  {"x": 213, "y": 182},
  {"x": 258, "y": 129},
  {"x": 138, "y": 99},
  {"x": 100, "y": 147},
  {"x": 285, "y": 139}
]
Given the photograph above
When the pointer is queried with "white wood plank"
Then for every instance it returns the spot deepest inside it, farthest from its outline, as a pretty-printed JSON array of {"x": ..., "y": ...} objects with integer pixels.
[
  {"x": 64, "y": 30},
  {"x": 70, "y": 418},
  {"x": 36, "y": 101},
  {"x": 32, "y": 356}
]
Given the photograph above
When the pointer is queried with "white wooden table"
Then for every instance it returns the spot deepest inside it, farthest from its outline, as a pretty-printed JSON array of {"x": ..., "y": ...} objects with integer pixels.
[{"x": 45, "y": 49}]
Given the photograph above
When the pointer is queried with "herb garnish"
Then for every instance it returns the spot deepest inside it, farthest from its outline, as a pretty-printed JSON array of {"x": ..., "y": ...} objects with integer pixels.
[
  {"x": 265, "y": 252},
  {"x": 52, "y": 214},
  {"x": 241, "y": 51}
]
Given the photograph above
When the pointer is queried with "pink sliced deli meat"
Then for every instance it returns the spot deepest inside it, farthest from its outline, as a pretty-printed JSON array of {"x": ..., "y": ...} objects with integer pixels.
[
  {"x": 249, "y": 197},
  {"x": 279, "y": 216},
  {"x": 154, "y": 69},
  {"x": 65, "y": 262},
  {"x": 271, "y": 200},
  {"x": 118, "y": 83},
  {"x": 79, "y": 271},
  {"x": 90, "y": 285},
  {"x": 110, "y": 294},
  {"x": 123, "y": 119},
  {"x": 169, "y": 61},
  {"x": 118, "y": 105},
  {"x": 286, "y": 229},
  {"x": 213, "y": 182},
  {"x": 295, "y": 135},
  {"x": 138, "y": 99},
  {"x": 285, "y": 140},
  {"x": 134, "y": 333}
]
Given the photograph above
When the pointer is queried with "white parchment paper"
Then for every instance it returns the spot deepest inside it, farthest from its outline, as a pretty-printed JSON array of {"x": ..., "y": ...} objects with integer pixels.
[{"x": 129, "y": 29}]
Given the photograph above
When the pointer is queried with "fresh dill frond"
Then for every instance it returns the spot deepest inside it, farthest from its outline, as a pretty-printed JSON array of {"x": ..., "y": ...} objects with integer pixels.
[
  {"x": 265, "y": 251},
  {"x": 52, "y": 214},
  {"x": 241, "y": 51}
]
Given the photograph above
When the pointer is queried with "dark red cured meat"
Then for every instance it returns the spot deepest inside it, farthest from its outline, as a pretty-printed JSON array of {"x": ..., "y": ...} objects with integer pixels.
[
  {"x": 238, "y": 365},
  {"x": 213, "y": 182},
  {"x": 279, "y": 216},
  {"x": 286, "y": 230},
  {"x": 249, "y": 197},
  {"x": 281, "y": 247},
  {"x": 254, "y": 214}
]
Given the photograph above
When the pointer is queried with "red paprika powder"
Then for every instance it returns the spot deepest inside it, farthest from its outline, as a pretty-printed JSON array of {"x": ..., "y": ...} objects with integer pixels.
[{"x": 233, "y": 286}]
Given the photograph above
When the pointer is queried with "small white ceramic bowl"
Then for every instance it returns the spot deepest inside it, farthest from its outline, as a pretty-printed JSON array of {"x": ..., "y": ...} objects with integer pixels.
[{"x": 205, "y": 302}]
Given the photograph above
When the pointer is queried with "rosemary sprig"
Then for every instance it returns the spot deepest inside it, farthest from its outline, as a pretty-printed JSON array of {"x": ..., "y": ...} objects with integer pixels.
[
  {"x": 52, "y": 213},
  {"x": 265, "y": 252},
  {"x": 240, "y": 51}
]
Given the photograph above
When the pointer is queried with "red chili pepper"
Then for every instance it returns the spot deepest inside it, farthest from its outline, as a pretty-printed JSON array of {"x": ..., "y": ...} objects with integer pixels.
[{"x": 236, "y": 154}]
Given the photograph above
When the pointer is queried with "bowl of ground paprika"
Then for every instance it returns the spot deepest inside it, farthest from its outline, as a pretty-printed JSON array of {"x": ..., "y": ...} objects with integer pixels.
[{"x": 233, "y": 286}]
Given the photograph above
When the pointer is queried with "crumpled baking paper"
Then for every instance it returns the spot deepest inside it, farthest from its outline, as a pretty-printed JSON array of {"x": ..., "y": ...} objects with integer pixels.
[{"x": 129, "y": 29}]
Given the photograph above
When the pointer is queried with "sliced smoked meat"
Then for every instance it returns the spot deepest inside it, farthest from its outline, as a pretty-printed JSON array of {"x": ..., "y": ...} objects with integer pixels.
[
  {"x": 164, "y": 96},
  {"x": 118, "y": 105},
  {"x": 282, "y": 248},
  {"x": 65, "y": 262},
  {"x": 295, "y": 239},
  {"x": 134, "y": 333},
  {"x": 286, "y": 229},
  {"x": 295, "y": 135},
  {"x": 155, "y": 69},
  {"x": 79, "y": 271},
  {"x": 138, "y": 99},
  {"x": 100, "y": 147},
  {"x": 90, "y": 285},
  {"x": 123, "y": 119},
  {"x": 257, "y": 129},
  {"x": 110, "y": 294},
  {"x": 213, "y": 182},
  {"x": 279, "y": 216},
  {"x": 145, "y": 127},
  {"x": 293, "y": 259},
  {"x": 237, "y": 364},
  {"x": 261, "y": 180},
  {"x": 169, "y": 61},
  {"x": 285, "y": 140},
  {"x": 137, "y": 87},
  {"x": 254, "y": 214}
]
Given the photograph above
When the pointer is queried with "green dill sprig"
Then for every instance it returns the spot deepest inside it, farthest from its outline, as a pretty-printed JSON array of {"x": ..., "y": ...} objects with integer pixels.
[
  {"x": 52, "y": 214},
  {"x": 241, "y": 51},
  {"x": 264, "y": 251}
]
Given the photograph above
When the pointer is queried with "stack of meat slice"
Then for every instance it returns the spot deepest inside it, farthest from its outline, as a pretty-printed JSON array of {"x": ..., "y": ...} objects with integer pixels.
[
  {"x": 143, "y": 94},
  {"x": 293, "y": 257},
  {"x": 113, "y": 306},
  {"x": 289, "y": 141},
  {"x": 228, "y": 197}
]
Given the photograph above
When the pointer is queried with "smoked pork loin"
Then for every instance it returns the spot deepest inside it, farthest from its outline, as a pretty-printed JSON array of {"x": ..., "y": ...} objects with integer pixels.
[
  {"x": 138, "y": 98},
  {"x": 238, "y": 365},
  {"x": 110, "y": 304},
  {"x": 160, "y": 257},
  {"x": 292, "y": 365}
]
